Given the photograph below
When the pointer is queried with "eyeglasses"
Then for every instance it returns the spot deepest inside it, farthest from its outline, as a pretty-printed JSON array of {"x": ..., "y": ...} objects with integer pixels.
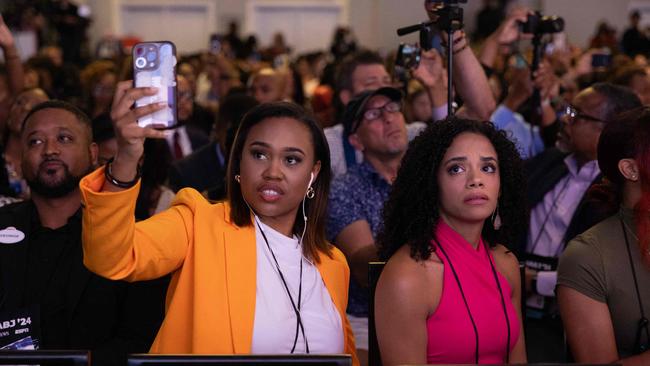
[
  {"x": 571, "y": 114},
  {"x": 374, "y": 113}
]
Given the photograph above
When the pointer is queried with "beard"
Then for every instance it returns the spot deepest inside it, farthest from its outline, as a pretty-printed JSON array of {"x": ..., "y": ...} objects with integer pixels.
[{"x": 50, "y": 188}]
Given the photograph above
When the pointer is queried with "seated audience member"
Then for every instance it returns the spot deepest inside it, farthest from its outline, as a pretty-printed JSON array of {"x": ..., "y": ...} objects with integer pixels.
[
  {"x": 184, "y": 139},
  {"x": 366, "y": 71},
  {"x": 104, "y": 137},
  {"x": 418, "y": 105},
  {"x": 376, "y": 126},
  {"x": 205, "y": 169},
  {"x": 42, "y": 273},
  {"x": 22, "y": 105},
  {"x": 604, "y": 273},
  {"x": 190, "y": 113},
  {"x": 635, "y": 78},
  {"x": 293, "y": 90},
  {"x": 557, "y": 186},
  {"x": 251, "y": 275},
  {"x": 604, "y": 37},
  {"x": 267, "y": 85},
  {"x": 219, "y": 76},
  {"x": 187, "y": 70},
  {"x": 41, "y": 70},
  {"x": 357, "y": 73},
  {"x": 98, "y": 82},
  {"x": 457, "y": 196},
  {"x": 322, "y": 104},
  {"x": 66, "y": 78}
]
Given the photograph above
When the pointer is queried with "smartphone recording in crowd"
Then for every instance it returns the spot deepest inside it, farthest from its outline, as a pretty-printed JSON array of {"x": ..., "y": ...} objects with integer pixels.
[{"x": 154, "y": 65}]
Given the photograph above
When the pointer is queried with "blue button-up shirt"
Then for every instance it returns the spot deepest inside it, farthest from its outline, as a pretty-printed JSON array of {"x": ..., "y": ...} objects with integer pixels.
[
  {"x": 526, "y": 137},
  {"x": 357, "y": 195}
]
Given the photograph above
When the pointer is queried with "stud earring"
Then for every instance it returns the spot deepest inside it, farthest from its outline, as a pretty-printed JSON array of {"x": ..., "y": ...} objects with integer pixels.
[{"x": 238, "y": 178}]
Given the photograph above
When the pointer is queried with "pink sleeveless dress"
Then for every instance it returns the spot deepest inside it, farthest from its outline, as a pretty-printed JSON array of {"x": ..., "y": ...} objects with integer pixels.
[{"x": 451, "y": 336}]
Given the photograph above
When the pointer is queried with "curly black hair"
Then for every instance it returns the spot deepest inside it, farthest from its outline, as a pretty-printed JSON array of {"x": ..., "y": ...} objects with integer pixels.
[{"x": 412, "y": 210}]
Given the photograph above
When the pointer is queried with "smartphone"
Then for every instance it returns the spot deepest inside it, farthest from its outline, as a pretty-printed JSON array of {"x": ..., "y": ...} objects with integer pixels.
[
  {"x": 215, "y": 44},
  {"x": 601, "y": 61},
  {"x": 153, "y": 66}
]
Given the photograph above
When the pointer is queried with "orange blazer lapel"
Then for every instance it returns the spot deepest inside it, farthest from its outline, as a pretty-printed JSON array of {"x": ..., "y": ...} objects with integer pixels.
[
  {"x": 333, "y": 274},
  {"x": 241, "y": 274}
]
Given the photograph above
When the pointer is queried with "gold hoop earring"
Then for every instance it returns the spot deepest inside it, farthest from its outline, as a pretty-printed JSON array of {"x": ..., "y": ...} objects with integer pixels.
[
  {"x": 238, "y": 178},
  {"x": 310, "y": 192}
]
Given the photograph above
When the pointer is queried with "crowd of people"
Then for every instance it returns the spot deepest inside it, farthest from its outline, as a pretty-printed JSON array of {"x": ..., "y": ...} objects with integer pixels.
[{"x": 516, "y": 230}]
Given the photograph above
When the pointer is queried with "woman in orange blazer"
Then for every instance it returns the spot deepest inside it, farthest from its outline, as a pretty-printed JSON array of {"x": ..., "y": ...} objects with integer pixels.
[{"x": 222, "y": 262}]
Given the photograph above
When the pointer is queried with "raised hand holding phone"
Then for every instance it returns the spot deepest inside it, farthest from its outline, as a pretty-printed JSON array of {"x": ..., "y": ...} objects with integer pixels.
[
  {"x": 129, "y": 134},
  {"x": 153, "y": 66}
]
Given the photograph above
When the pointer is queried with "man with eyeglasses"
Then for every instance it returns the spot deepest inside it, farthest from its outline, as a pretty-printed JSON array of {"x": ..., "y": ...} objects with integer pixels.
[
  {"x": 561, "y": 209},
  {"x": 365, "y": 70},
  {"x": 357, "y": 73},
  {"x": 375, "y": 126}
]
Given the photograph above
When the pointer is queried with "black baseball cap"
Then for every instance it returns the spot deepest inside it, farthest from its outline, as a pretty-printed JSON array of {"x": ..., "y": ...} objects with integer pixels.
[{"x": 357, "y": 106}]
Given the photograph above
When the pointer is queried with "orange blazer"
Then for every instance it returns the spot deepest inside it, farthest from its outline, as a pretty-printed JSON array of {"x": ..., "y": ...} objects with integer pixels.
[{"x": 210, "y": 305}]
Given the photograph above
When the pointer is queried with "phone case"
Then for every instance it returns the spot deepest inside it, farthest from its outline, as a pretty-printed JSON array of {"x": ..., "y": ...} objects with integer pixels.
[{"x": 153, "y": 66}]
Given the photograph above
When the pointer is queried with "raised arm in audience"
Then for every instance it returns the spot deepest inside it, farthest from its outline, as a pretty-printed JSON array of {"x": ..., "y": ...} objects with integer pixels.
[
  {"x": 12, "y": 59},
  {"x": 470, "y": 81}
]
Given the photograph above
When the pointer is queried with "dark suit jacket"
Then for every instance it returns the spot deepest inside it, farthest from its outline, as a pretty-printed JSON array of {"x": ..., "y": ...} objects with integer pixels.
[
  {"x": 201, "y": 170},
  {"x": 202, "y": 119},
  {"x": 197, "y": 138},
  {"x": 110, "y": 318},
  {"x": 543, "y": 172}
]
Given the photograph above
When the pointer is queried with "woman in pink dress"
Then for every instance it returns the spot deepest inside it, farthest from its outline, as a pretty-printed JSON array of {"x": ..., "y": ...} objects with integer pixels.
[{"x": 450, "y": 292}]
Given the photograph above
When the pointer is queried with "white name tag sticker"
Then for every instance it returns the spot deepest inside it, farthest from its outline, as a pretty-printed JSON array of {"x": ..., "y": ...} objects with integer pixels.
[{"x": 11, "y": 235}]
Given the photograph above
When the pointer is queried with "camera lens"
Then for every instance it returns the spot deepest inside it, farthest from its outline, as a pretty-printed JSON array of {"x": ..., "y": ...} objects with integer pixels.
[
  {"x": 151, "y": 56},
  {"x": 140, "y": 62}
]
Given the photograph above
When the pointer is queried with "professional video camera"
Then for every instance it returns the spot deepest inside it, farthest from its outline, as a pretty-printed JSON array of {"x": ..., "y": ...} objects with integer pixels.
[
  {"x": 538, "y": 24},
  {"x": 445, "y": 16}
]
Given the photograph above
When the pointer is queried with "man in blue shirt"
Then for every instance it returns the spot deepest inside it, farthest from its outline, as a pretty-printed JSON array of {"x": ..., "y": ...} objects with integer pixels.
[{"x": 375, "y": 126}]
